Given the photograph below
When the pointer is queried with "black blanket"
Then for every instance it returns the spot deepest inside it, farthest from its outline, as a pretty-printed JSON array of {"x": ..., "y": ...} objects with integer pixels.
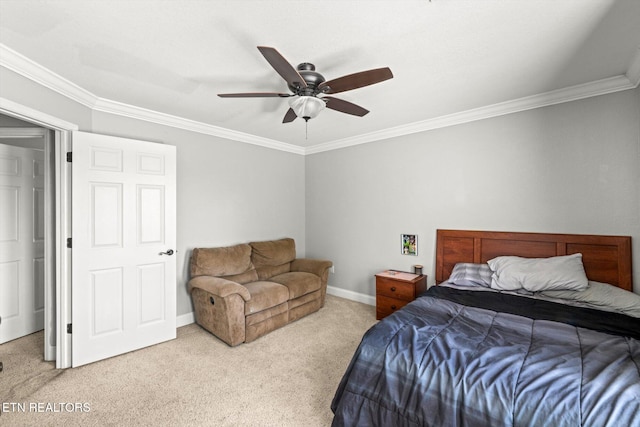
[{"x": 604, "y": 321}]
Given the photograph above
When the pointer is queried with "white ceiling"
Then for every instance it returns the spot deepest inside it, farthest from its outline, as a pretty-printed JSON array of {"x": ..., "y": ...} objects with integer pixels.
[{"x": 449, "y": 58}]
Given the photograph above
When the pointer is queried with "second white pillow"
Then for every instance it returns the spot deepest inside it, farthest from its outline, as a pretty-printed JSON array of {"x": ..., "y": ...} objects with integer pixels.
[{"x": 538, "y": 274}]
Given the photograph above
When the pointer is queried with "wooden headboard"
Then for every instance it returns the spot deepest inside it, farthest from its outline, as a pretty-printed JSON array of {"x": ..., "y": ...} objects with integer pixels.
[{"x": 606, "y": 258}]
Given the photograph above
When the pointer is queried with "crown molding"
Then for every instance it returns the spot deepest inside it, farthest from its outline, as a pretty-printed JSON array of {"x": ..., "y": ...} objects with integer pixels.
[
  {"x": 138, "y": 113},
  {"x": 572, "y": 93},
  {"x": 25, "y": 67}
]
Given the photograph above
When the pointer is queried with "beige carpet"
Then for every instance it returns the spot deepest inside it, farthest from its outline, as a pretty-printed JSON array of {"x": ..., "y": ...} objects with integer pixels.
[{"x": 286, "y": 378}]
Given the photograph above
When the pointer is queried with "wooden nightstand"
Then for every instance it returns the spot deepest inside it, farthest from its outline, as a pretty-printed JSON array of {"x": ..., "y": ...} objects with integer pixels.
[{"x": 395, "y": 289}]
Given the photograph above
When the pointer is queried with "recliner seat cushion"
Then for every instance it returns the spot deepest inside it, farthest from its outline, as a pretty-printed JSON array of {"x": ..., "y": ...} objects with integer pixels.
[
  {"x": 299, "y": 283},
  {"x": 264, "y": 295}
]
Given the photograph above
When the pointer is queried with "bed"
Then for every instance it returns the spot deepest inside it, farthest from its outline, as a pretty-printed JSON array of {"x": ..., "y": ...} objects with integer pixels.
[{"x": 562, "y": 349}]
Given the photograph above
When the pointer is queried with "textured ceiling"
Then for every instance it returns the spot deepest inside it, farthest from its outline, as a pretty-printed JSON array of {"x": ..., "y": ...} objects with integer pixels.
[{"x": 447, "y": 56}]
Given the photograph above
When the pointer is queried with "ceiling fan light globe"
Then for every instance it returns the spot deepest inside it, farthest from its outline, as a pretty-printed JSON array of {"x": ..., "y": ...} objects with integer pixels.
[{"x": 306, "y": 107}]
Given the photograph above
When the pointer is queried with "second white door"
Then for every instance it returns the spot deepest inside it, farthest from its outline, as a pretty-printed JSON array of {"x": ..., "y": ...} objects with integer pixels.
[{"x": 21, "y": 241}]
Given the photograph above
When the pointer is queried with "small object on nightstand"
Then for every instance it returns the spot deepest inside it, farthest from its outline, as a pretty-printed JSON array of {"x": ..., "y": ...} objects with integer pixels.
[{"x": 395, "y": 289}]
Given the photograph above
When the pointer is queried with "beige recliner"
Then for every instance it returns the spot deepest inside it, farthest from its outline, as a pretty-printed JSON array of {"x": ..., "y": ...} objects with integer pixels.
[{"x": 245, "y": 291}]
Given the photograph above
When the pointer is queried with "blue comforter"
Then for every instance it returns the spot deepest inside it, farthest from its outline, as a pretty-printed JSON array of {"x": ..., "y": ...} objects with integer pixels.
[{"x": 438, "y": 362}]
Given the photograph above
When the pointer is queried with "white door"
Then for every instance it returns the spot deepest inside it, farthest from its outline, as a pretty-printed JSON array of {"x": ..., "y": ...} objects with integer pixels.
[
  {"x": 21, "y": 241},
  {"x": 123, "y": 238}
]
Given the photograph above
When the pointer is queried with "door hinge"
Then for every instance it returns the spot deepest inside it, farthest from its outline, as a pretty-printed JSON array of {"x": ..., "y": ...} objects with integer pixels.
[
  {"x": 69, "y": 156},
  {"x": 68, "y": 328},
  {"x": 69, "y": 243}
]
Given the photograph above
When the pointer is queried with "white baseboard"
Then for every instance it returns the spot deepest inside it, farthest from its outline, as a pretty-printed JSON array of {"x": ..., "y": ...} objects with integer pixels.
[
  {"x": 185, "y": 319},
  {"x": 189, "y": 318},
  {"x": 353, "y": 296}
]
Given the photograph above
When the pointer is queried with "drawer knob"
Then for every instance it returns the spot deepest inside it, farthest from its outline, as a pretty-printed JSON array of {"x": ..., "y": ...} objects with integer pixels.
[
  {"x": 393, "y": 307},
  {"x": 393, "y": 289}
]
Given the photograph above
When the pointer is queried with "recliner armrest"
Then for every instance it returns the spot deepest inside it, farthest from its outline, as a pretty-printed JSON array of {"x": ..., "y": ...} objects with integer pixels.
[
  {"x": 219, "y": 286},
  {"x": 315, "y": 266}
]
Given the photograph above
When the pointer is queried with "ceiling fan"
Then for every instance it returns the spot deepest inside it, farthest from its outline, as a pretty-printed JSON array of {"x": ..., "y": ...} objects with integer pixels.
[{"x": 306, "y": 84}]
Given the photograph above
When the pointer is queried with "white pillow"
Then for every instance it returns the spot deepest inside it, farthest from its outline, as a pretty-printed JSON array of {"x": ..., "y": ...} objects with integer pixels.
[
  {"x": 602, "y": 296},
  {"x": 538, "y": 274}
]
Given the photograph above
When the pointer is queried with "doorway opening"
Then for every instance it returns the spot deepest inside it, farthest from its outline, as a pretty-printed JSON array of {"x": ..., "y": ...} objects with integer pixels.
[
  {"x": 22, "y": 236},
  {"x": 27, "y": 253},
  {"x": 22, "y": 128}
]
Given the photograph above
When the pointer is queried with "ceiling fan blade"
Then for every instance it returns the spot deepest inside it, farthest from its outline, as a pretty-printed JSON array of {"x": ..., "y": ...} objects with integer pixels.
[
  {"x": 254, "y": 95},
  {"x": 345, "y": 106},
  {"x": 356, "y": 80},
  {"x": 290, "y": 116},
  {"x": 282, "y": 66}
]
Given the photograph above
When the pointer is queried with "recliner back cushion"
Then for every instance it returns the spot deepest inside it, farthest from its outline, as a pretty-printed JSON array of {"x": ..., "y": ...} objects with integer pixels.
[
  {"x": 273, "y": 257},
  {"x": 221, "y": 262},
  {"x": 268, "y": 271},
  {"x": 243, "y": 278}
]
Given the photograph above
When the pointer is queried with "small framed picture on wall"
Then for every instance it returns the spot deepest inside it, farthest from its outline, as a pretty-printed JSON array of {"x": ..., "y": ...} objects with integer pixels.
[{"x": 409, "y": 244}]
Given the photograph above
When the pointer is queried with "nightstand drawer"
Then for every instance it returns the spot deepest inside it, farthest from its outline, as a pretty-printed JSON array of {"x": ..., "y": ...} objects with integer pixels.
[
  {"x": 395, "y": 288},
  {"x": 385, "y": 305}
]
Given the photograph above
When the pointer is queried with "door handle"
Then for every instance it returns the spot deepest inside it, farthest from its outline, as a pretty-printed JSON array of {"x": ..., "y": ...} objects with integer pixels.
[{"x": 169, "y": 252}]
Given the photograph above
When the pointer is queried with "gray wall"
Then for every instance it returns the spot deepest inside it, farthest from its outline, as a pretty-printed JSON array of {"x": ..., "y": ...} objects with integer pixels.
[
  {"x": 569, "y": 168},
  {"x": 572, "y": 168}
]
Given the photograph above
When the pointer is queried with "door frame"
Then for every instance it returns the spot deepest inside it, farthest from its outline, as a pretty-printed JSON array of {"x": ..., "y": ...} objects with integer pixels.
[{"x": 62, "y": 209}]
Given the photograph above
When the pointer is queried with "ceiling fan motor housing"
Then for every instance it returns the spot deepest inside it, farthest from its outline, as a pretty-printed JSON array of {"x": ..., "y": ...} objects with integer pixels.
[{"x": 311, "y": 77}]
